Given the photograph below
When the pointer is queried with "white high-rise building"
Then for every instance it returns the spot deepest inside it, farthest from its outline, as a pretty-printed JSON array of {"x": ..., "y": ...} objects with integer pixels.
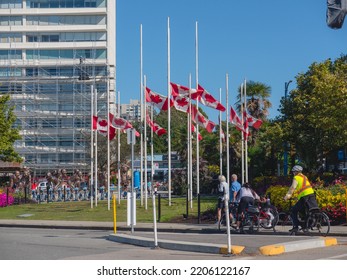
[{"x": 52, "y": 54}]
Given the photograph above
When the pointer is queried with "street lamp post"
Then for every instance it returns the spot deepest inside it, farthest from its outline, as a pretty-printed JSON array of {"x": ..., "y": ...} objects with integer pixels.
[{"x": 285, "y": 153}]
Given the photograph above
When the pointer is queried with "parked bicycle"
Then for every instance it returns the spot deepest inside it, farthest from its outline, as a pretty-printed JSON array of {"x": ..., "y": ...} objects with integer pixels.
[
  {"x": 262, "y": 215},
  {"x": 313, "y": 222}
]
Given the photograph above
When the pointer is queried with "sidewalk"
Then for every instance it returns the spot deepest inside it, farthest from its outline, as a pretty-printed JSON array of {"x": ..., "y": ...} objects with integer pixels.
[{"x": 195, "y": 237}]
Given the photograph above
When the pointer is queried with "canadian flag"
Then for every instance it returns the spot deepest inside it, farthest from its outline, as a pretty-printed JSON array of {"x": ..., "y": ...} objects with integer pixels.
[
  {"x": 181, "y": 103},
  {"x": 208, "y": 100},
  {"x": 100, "y": 125},
  {"x": 199, "y": 118},
  {"x": 199, "y": 135},
  {"x": 158, "y": 100},
  {"x": 235, "y": 119},
  {"x": 178, "y": 90},
  {"x": 256, "y": 123},
  {"x": 245, "y": 126},
  {"x": 157, "y": 129},
  {"x": 119, "y": 123}
]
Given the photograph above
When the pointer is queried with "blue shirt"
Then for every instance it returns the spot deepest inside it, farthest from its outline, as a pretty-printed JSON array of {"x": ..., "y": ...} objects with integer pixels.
[{"x": 235, "y": 187}]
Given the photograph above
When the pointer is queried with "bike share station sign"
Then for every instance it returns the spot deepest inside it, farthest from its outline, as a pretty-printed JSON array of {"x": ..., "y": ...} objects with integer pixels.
[{"x": 131, "y": 196}]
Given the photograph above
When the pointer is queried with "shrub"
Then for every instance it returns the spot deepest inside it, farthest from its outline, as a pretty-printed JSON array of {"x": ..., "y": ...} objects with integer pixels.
[{"x": 4, "y": 199}]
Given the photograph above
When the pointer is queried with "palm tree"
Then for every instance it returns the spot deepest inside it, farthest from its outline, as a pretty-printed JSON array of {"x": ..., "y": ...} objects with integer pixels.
[{"x": 258, "y": 103}]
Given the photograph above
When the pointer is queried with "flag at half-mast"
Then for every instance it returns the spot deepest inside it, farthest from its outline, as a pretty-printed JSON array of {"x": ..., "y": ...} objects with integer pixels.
[
  {"x": 254, "y": 122},
  {"x": 179, "y": 90},
  {"x": 157, "y": 129},
  {"x": 208, "y": 100},
  {"x": 194, "y": 130},
  {"x": 159, "y": 101},
  {"x": 100, "y": 125},
  {"x": 200, "y": 119},
  {"x": 119, "y": 123},
  {"x": 235, "y": 119}
]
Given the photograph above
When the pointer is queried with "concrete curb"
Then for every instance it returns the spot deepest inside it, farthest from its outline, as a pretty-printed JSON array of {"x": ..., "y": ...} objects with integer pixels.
[
  {"x": 277, "y": 249},
  {"x": 175, "y": 245}
]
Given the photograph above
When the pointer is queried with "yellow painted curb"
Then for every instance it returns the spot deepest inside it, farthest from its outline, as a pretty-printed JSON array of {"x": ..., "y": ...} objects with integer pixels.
[
  {"x": 234, "y": 250},
  {"x": 271, "y": 250},
  {"x": 330, "y": 241}
]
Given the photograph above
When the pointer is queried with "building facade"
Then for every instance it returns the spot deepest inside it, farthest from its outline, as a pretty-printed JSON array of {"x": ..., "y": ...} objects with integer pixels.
[{"x": 53, "y": 55}]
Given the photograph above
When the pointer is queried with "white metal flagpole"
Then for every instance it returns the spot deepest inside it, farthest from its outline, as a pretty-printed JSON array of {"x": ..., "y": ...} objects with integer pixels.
[
  {"x": 197, "y": 106},
  {"x": 108, "y": 144},
  {"x": 246, "y": 144},
  {"x": 145, "y": 146},
  {"x": 220, "y": 136},
  {"x": 96, "y": 150},
  {"x": 242, "y": 140},
  {"x": 190, "y": 194},
  {"x": 141, "y": 117},
  {"x": 118, "y": 151},
  {"x": 91, "y": 146},
  {"x": 169, "y": 110},
  {"x": 227, "y": 132}
]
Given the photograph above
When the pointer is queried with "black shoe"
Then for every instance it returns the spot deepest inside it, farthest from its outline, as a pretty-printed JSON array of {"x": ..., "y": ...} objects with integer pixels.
[{"x": 294, "y": 229}]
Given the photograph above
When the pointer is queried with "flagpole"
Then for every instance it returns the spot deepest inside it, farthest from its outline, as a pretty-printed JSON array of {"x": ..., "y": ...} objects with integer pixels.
[
  {"x": 227, "y": 130},
  {"x": 96, "y": 151},
  {"x": 220, "y": 136},
  {"x": 169, "y": 110},
  {"x": 118, "y": 151},
  {"x": 91, "y": 145},
  {"x": 141, "y": 117},
  {"x": 190, "y": 194},
  {"x": 197, "y": 107},
  {"x": 246, "y": 144},
  {"x": 108, "y": 143},
  {"x": 242, "y": 140},
  {"x": 188, "y": 141},
  {"x": 145, "y": 144}
]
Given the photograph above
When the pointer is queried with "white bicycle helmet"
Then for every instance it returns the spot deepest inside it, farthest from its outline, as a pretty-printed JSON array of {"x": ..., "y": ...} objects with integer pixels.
[{"x": 297, "y": 168}]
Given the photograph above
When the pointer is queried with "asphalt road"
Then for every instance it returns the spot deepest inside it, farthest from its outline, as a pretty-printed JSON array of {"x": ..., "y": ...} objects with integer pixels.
[{"x": 65, "y": 244}]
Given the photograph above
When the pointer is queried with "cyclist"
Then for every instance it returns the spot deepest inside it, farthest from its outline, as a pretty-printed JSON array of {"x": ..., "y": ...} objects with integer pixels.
[
  {"x": 306, "y": 195},
  {"x": 234, "y": 189},
  {"x": 223, "y": 191},
  {"x": 246, "y": 197}
]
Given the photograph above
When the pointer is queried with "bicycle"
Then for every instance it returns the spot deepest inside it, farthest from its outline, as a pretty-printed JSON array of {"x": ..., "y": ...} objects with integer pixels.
[
  {"x": 268, "y": 215},
  {"x": 314, "y": 222},
  {"x": 232, "y": 209}
]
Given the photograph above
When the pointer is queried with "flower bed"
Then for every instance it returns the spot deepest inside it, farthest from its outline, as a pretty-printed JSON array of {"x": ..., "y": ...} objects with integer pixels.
[{"x": 4, "y": 201}]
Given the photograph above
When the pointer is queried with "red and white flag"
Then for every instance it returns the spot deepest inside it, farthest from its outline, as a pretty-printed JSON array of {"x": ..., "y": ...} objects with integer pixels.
[
  {"x": 181, "y": 103},
  {"x": 179, "y": 90},
  {"x": 100, "y": 125},
  {"x": 200, "y": 119},
  {"x": 157, "y": 129},
  {"x": 158, "y": 100},
  {"x": 235, "y": 119},
  {"x": 119, "y": 123},
  {"x": 208, "y": 100},
  {"x": 199, "y": 135},
  {"x": 252, "y": 121}
]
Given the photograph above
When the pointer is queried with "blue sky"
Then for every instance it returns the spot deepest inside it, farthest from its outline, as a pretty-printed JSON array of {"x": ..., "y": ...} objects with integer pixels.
[{"x": 267, "y": 41}]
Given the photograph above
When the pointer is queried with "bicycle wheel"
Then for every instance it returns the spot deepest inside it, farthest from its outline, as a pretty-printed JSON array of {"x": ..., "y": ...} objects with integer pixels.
[
  {"x": 284, "y": 219},
  {"x": 251, "y": 224},
  {"x": 268, "y": 218},
  {"x": 318, "y": 223}
]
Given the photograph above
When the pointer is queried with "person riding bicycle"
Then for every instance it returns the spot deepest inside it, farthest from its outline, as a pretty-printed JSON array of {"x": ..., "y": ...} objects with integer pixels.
[
  {"x": 223, "y": 192},
  {"x": 306, "y": 196},
  {"x": 245, "y": 197}
]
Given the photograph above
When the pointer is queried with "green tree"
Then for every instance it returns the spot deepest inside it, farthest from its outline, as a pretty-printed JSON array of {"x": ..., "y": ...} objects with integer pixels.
[
  {"x": 315, "y": 120},
  {"x": 8, "y": 133}
]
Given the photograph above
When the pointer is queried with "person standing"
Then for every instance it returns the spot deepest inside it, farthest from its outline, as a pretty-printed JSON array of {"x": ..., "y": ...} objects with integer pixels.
[
  {"x": 234, "y": 189},
  {"x": 223, "y": 191}
]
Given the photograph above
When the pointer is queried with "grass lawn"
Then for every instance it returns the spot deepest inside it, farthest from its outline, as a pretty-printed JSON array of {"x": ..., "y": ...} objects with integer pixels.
[{"x": 82, "y": 211}]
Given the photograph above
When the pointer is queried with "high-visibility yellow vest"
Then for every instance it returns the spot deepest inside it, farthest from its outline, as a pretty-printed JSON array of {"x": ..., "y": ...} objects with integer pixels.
[{"x": 304, "y": 187}]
